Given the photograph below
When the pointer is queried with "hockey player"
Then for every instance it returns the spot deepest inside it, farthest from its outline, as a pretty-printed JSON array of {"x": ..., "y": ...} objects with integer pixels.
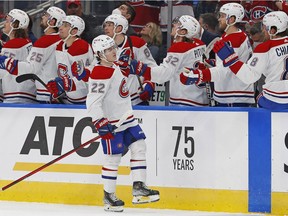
[
  {"x": 269, "y": 58},
  {"x": 186, "y": 51},
  {"x": 116, "y": 26},
  {"x": 41, "y": 59},
  {"x": 229, "y": 90},
  {"x": 108, "y": 99},
  {"x": 17, "y": 48},
  {"x": 71, "y": 49}
]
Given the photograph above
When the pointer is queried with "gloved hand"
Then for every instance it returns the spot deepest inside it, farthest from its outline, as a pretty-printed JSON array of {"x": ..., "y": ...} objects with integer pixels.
[
  {"x": 79, "y": 71},
  {"x": 225, "y": 53},
  {"x": 194, "y": 76},
  {"x": 60, "y": 85},
  {"x": 209, "y": 63},
  {"x": 104, "y": 128},
  {"x": 124, "y": 62},
  {"x": 9, "y": 64},
  {"x": 148, "y": 90},
  {"x": 138, "y": 68}
]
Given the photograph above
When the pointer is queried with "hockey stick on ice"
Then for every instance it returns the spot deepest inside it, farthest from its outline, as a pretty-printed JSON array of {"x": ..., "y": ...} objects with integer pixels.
[
  {"x": 31, "y": 76},
  {"x": 119, "y": 123}
]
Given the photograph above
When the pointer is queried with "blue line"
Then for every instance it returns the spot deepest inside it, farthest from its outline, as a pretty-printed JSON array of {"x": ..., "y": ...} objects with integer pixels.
[{"x": 259, "y": 161}]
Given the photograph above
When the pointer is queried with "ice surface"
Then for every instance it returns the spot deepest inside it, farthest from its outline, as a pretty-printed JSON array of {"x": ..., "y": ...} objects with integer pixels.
[{"x": 41, "y": 209}]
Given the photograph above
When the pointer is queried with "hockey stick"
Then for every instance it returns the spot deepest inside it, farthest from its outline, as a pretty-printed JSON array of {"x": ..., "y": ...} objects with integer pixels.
[
  {"x": 208, "y": 84},
  {"x": 31, "y": 76},
  {"x": 119, "y": 123}
]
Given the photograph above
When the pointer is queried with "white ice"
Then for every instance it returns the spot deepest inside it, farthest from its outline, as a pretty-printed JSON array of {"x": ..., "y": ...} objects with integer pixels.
[{"x": 41, "y": 209}]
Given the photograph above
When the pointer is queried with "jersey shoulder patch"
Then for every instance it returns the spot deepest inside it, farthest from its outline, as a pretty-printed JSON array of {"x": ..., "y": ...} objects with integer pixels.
[
  {"x": 46, "y": 41},
  {"x": 102, "y": 72},
  {"x": 16, "y": 43}
]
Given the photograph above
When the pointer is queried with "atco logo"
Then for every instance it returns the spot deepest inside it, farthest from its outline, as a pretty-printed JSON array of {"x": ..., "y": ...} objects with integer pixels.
[
  {"x": 62, "y": 70},
  {"x": 258, "y": 12},
  {"x": 123, "y": 89}
]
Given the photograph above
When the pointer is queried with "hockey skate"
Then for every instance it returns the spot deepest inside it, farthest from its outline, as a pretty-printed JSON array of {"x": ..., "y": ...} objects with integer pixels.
[
  {"x": 112, "y": 203},
  {"x": 142, "y": 194}
]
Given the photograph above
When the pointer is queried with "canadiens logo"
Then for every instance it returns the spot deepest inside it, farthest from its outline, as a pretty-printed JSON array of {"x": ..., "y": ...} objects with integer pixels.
[
  {"x": 258, "y": 12},
  {"x": 62, "y": 70},
  {"x": 123, "y": 89}
]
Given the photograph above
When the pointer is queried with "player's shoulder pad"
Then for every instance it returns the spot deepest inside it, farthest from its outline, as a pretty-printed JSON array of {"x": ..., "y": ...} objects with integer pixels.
[
  {"x": 102, "y": 72},
  {"x": 182, "y": 47},
  {"x": 46, "y": 41},
  {"x": 79, "y": 47},
  {"x": 16, "y": 43},
  {"x": 267, "y": 45},
  {"x": 236, "y": 39},
  {"x": 137, "y": 41}
]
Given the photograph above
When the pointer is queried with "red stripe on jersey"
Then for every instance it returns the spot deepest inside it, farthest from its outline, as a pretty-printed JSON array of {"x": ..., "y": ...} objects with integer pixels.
[
  {"x": 16, "y": 43},
  {"x": 236, "y": 67},
  {"x": 267, "y": 45},
  {"x": 137, "y": 42},
  {"x": 79, "y": 47},
  {"x": 236, "y": 39},
  {"x": 182, "y": 47},
  {"x": 47, "y": 40},
  {"x": 102, "y": 72}
]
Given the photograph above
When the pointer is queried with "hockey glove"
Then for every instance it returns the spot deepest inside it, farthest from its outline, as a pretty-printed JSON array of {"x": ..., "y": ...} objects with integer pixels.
[
  {"x": 104, "y": 128},
  {"x": 148, "y": 90},
  {"x": 79, "y": 71},
  {"x": 124, "y": 62},
  {"x": 138, "y": 68},
  {"x": 9, "y": 64},
  {"x": 194, "y": 76},
  {"x": 225, "y": 53},
  {"x": 209, "y": 63},
  {"x": 60, "y": 85}
]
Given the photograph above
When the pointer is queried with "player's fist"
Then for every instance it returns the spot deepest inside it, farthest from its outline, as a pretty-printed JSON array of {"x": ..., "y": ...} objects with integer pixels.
[
  {"x": 194, "y": 76},
  {"x": 9, "y": 64},
  {"x": 79, "y": 71},
  {"x": 138, "y": 68},
  {"x": 148, "y": 90},
  {"x": 225, "y": 53},
  {"x": 104, "y": 128},
  {"x": 59, "y": 86}
]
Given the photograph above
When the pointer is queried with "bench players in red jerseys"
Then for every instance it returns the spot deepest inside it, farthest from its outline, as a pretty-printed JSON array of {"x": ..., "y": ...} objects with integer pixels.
[{"x": 108, "y": 99}]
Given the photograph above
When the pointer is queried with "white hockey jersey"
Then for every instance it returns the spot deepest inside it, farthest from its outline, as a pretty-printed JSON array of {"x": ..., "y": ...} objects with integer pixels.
[
  {"x": 14, "y": 92},
  {"x": 42, "y": 62},
  {"x": 180, "y": 55},
  {"x": 141, "y": 53},
  {"x": 79, "y": 50},
  {"x": 270, "y": 59},
  {"x": 228, "y": 87},
  {"x": 109, "y": 96}
]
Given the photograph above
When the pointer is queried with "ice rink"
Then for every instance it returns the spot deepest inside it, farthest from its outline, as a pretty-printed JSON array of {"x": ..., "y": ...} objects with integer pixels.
[{"x": 41, "y": 209}]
